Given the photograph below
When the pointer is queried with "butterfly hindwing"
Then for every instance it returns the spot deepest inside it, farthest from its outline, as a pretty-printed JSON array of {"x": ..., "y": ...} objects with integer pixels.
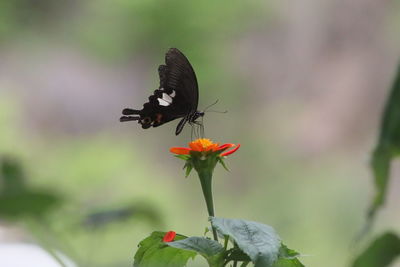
[{"x": 176, "y": 97}]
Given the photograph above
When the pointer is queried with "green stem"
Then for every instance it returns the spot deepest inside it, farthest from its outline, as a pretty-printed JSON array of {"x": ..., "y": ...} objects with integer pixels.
[
  {"x": 205, "y": 180},
  {"x": 206, "y": 186},
  {"x": 226, "y": 242}
]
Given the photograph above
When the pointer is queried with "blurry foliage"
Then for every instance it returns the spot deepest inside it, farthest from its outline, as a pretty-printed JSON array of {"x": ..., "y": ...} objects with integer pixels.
[
  {"x": 137, "y": 211},
  {"x": 16, "y": 198},
  {"x": 386, "y": 248},
  {"x": 381, "y": 252},
  {"x": 19, "y": 15},
  {"x": 388, "y": 145},
  {"x": 123, "y": 27}
]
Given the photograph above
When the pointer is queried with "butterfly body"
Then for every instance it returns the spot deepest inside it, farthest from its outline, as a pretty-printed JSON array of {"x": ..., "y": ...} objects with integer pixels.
[{"x": 176, "y": 97}]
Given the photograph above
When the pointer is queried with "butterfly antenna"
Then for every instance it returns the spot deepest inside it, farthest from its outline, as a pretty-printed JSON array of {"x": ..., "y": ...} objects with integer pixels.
[
  {"x": 218, "y": 111},
  {"x": 211, "y": 105}
]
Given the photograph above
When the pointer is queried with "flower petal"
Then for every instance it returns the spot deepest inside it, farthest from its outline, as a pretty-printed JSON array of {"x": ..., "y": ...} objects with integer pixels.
[
  {"x": 169, "y": 236},
  {"x": 213, "y": 147},
  {"x": 227, "y": 153},
  {"x": 225, "y": 146},
  {"x": 180, "y": 150},
  {"x": 196, "y": 146}
]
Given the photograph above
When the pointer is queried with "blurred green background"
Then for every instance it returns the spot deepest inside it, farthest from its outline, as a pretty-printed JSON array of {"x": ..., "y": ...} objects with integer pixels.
[{"x": 304, "y": 83}]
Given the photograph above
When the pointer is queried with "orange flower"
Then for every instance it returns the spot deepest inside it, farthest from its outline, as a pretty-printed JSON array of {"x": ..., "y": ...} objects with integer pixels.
[
  {"x": 204, "y": 145},
  {"x": 169, "y": 236}
]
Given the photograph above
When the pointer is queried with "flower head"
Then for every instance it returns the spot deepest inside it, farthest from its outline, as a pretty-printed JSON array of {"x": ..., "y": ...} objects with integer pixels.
[
  {"x": 205, "y": 146},
  {"x": 169, "y": 236},
  {"x": 203, "y": 154}
]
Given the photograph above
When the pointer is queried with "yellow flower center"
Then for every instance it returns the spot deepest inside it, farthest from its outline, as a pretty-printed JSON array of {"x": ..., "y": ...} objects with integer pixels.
[{"x": 203, "y": 144}]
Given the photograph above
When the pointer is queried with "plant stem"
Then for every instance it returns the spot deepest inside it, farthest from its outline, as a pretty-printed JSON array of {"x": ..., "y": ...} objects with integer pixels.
[
  {"x": 226, "y": 242},
  {"x": 205, "y": 180}
]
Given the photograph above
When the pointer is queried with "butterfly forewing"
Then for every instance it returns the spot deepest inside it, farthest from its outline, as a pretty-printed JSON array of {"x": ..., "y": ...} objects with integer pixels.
[{"x": 182, "y": 77}]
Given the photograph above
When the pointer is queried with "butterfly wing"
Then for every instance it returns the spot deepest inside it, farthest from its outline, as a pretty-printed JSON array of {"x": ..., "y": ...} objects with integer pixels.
[
  {"x": 182, "y": 79},
  {"x": 176, "y": 97}
]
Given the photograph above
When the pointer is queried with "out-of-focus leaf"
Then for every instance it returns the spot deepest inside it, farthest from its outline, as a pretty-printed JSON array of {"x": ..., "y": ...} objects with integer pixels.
[
  {"x": 11, "y": 176},
  {"x": 388, "y": 145},
  {"x": 34, "y": 204},
  {"x": 380, "y": 252},
  {"x": 153, "y": 252},
  {"x": 201, "y": 245},
  {"x": 257, "y": 240},
  {"x": 16, "y": 198},
  {"x": 137, "y": 210}
]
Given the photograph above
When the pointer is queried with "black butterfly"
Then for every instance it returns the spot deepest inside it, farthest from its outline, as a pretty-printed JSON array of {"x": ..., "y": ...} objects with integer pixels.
[{"x": 177, "y": 96}]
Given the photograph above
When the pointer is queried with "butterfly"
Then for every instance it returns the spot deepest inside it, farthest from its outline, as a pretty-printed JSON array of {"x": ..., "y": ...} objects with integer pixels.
[{"x": 176, "y": 97}]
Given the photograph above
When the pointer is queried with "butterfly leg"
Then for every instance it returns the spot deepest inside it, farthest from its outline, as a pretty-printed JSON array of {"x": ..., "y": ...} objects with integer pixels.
[
  {"x": 202, "y": 130},
  {"x": 191, "y": 132},
  {"x": 129, "y": 111},
  {"x": 129, "y": 118},
  {"x": 198, "y": 128}
]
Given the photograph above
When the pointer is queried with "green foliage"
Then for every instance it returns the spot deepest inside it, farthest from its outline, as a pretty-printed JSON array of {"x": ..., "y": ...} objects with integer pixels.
[
  {"x": 204, "y": 246},
  {"x": 221, "y": 160},
  {"x": 380, "y": 253},
  {"x": 253, "y": 242},
  {"x": 259, "y": 241},
  {"x": 16, "y": 199},
  {"x": 153, "y": 252},
  {"x": 150, "y": 24},
  {"x": 138, "y": 210},
  {"x": 287, "y": 258},
  {"x": 388, "y": 145}
]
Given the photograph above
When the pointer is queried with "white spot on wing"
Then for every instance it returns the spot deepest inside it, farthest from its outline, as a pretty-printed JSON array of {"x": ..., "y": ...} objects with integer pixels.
[
  {"x": 172, "y": 94},
  {"x": 166, "y": 98},
  {"x": 162, "y": 102}
]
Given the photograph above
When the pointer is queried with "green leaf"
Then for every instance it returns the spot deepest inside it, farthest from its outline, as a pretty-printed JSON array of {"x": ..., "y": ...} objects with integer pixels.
[
  {"x": 288, "y": 258},
  {"x": 31, "y": 204},
  {"x": 184, "y": 157},
  {"x": 201, "y": 245},
  {"x": 235, "y": 254},
  {"x": 153, "y": 252},
  {"x": 388, "y": 145},
  {"x": 12, "y": 178},
  {"x": 381, "y": 252},
  {"x": 259, "y": 241},
  {"x": 189, "y": 168},
  {"x": 287, "y": 253},
  {"x": 220, "y": 160}
]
